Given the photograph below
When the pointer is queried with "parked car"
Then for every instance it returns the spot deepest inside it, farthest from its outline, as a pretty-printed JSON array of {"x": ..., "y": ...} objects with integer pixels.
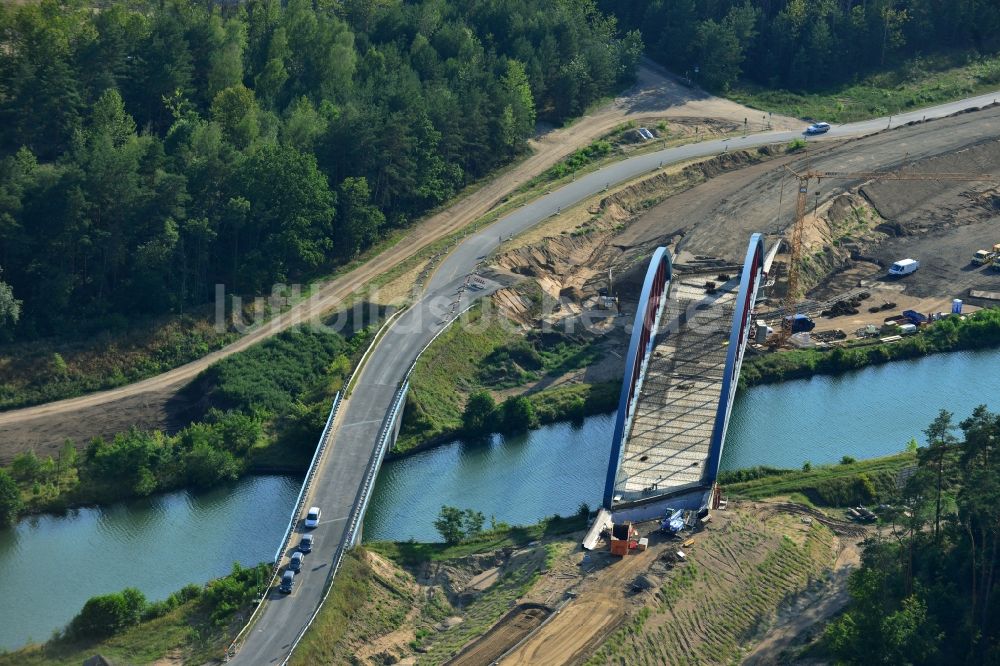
[
  {"x": 904, "y": 267},
  {"x": 818, "y": 128},
  {"x": 312, "y": 518},
  {"x": 306, "y": 543},
  {"x": 287, "y": 582},
  {"x": 295, "y": 563}
]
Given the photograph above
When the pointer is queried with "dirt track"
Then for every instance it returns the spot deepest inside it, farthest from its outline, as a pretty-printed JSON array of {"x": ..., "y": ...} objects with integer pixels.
[
  {"x": 152, "y": 403},
  {"x": 515, "y": 626}
]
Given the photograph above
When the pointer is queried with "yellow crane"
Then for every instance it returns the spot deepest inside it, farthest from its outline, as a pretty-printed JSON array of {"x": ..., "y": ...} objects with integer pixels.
[{"x": 795, "y": 234}]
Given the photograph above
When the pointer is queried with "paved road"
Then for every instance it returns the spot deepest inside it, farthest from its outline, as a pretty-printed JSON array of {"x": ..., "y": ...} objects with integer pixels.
[{"x": 338, "y": 481}]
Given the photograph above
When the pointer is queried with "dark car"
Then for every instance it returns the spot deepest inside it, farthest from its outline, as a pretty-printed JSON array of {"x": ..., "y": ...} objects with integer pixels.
[
  {"x": 295, "y": 563},
  {"x": 306, "y": 543},
  {"x": 287, "y": 581},
  {"x": 800, "y": 323}
]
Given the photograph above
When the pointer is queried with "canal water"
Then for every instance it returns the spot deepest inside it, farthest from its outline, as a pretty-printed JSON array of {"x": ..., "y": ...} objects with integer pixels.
[
  {"x": 49, "y": 566},
  {"x": 864, "y": 414}
]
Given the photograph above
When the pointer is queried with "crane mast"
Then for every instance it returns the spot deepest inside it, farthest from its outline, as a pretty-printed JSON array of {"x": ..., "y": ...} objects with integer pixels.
[{"x": 797, "y": 230}]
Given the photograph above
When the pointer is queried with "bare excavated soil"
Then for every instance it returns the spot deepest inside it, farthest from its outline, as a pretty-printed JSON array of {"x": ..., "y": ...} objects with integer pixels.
[
  {"x": 939, "y": 223},
  {"x": 855, "y": 228},
  {"x": 754, "y": 565},
  {"x": 165, "y": 410},
  {"x": 517, "y": 624}
]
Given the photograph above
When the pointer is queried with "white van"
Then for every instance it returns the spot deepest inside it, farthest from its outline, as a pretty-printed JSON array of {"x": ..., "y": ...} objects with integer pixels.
[{"x": 904, "y": 267}]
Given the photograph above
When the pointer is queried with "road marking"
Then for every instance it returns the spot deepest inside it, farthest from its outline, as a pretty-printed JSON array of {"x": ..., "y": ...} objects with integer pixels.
[
  {"x": 333, "y": 520},
  {"x": 351, "y": 425}
]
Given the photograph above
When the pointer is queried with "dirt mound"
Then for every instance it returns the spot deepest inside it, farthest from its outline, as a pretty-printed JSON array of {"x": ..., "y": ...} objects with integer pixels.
[
  {"x": 636, "y": 198},
  {"x": 509, "y": 631},
  {"x": 457, "y": 577}
]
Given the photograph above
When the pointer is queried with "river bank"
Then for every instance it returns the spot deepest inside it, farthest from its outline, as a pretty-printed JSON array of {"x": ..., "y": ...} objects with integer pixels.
[
  {"x": 519, "y": 479},
  {"x": 979, "y": 330},
  {"x": 259, "y": 410}
]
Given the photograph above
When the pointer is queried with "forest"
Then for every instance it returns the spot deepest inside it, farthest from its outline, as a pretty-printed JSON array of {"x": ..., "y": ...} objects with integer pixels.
[
  {"x": 149, "y": 150},
  {"x": 927, "y": 590},
  {"x": 804, "y": 45}
]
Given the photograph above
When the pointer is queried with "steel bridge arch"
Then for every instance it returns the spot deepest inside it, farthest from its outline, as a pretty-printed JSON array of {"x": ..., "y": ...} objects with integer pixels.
[
  {"x": 746, "y": 297},
  {"x": 651, "y": 302}
]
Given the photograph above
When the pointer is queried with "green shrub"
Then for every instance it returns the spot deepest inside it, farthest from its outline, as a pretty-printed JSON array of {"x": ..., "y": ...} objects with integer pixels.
[
  {"x": 105, "y": 615},
  {"x": 10, "y": 499},
  {"x": 518, "y": 415},
  {"x": 480, "y": 415}
]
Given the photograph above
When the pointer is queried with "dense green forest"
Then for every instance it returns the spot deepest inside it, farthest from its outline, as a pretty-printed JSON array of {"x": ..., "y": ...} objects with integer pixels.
[
  {"x": 800, "y": 44},
  {"x": 149, "y": 150},
  {"x": 927, "y": 591}
]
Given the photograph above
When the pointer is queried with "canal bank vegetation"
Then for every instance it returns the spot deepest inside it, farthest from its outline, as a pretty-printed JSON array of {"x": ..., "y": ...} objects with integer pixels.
[
  {"x": 456, "y": 382},
  {"x": 928, "y": 590},
  {"x": 260, "y": 410},
  {"x": 979, "y": 330},
  {"x": 193, "y": 625},
  {"x": 849, "y": 483}
]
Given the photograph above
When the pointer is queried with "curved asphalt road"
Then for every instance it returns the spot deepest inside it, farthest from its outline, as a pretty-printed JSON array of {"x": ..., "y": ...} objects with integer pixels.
[{"x": 337, "y": 484}]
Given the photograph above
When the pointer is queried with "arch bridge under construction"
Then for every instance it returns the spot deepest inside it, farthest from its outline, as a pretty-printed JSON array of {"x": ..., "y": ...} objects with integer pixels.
[{"x": 681, "y": 373}]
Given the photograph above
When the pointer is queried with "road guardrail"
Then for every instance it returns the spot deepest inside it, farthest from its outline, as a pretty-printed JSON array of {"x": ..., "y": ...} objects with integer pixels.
[{"x": 310, "y": 473}]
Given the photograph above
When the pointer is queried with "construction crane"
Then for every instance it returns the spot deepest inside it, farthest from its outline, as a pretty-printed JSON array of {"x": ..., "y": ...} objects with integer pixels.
[{"x": 795, "y": 235}]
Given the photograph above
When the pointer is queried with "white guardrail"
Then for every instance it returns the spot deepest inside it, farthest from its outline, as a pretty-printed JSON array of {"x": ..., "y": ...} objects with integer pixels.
[
  {"x": 310, "y": 473},
  {"x": 358, "y": 512},
  {"x": 306, "y": 482},
  {"x": 364, "y": 495}
]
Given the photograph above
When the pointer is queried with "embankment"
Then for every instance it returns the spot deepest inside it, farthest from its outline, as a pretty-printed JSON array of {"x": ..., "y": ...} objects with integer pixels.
[{"x": 976, "y": 331}]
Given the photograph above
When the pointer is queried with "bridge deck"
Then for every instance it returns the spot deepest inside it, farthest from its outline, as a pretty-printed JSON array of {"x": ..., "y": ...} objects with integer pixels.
[{"x": 671, "y": 430}]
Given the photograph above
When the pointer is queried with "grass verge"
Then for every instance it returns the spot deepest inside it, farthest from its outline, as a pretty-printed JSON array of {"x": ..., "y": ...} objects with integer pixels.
[
  {"x": 850, "y": 484},
  {"x": 413, "y": 553},
  {"x": 491, "y": 354},
  {"x": 921, "y": 82}
]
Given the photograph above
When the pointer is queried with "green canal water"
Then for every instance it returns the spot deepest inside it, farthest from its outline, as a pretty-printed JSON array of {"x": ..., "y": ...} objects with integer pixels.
[
  {"x": 865, "y": 414},
  {"x": 50, "y": 565}
]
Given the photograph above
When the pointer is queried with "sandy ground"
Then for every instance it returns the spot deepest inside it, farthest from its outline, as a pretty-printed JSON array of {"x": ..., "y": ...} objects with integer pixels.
[
  {"x": 717, "y": 217},
  {"x": 152, "y": 403},
  {"x": 582, "y": 624},
  {"x": 509, "y": 631},
  {"x": 812, "y": 609},
  {"x": 727, "y": 556}
]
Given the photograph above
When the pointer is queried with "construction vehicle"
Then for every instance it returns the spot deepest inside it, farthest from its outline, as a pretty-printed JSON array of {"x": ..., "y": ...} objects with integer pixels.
[
  {"x": 673, "y": 521},
  {"x": 996, "y": 263},
  {"x": 982, "y": 257},
  {"x": 795, "y": 234},
  {"x": 985, "y": 257}
]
